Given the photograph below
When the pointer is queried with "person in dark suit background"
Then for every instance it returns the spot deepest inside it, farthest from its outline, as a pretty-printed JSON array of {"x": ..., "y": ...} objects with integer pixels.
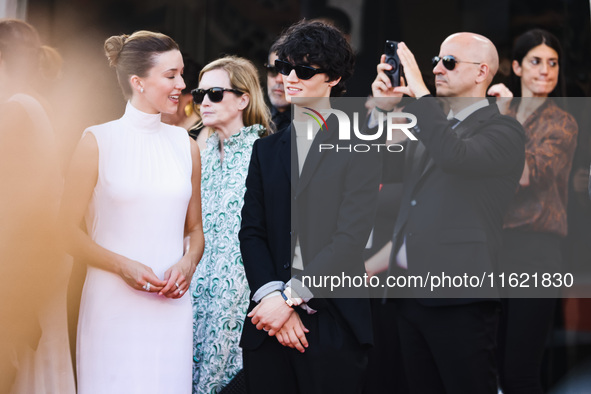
[
  {"x": 311, "y": 216},
  {"x": 279, "y": 106},
  {"x": 458, "y": 181}
]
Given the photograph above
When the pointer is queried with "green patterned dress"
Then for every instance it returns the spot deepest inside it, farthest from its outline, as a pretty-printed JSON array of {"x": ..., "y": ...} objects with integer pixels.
[{"x": 219, "y": 288}]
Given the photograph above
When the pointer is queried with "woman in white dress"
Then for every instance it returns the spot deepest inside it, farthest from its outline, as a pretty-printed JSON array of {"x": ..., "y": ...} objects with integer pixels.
[{"x": 136, "y": 181}]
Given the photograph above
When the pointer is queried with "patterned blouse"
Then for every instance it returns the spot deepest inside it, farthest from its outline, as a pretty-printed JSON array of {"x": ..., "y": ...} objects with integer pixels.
[
  {"x": 219, "y": 288},
  {"x": 551, "y": 140}
]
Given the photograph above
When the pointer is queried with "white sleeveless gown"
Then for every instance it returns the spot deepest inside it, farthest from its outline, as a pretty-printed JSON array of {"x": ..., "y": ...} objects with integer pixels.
[{"x": 132, "y": 341}]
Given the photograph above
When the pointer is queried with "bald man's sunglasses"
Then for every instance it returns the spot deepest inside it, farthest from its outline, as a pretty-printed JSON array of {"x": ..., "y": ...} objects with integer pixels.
[
  {"x": 215, "y": 94},
  {"x": 448, "y": 61},
  {"x": 302, "y": 72}
]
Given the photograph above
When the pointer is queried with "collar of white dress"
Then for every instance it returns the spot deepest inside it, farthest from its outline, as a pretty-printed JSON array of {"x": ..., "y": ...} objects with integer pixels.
[{"x": 148, "y": 123}]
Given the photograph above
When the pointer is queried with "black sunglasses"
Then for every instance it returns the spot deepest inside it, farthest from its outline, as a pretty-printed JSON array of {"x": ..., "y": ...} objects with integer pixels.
[
  {"x": 449, "y": 61},
  {"x": 271, "y": 70},
  {"x": 302, "y": 72},
  {"x": 215, "y": 94}
]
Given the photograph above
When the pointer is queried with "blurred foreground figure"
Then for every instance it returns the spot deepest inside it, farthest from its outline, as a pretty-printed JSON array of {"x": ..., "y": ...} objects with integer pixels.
[{"x": 29, "y": 199}]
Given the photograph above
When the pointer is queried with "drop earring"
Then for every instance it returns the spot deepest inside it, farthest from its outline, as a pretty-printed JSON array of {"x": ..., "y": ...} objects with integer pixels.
[{"x": 141, "y": 90}]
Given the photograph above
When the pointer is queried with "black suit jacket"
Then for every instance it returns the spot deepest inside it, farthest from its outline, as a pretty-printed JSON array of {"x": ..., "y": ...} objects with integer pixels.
[
  {"x": 330, "y": 208},
  {"x": 457, "y": 185}
]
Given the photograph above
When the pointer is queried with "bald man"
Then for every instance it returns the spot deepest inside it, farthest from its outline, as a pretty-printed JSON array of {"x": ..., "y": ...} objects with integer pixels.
[{"x": 458, "y": 180}]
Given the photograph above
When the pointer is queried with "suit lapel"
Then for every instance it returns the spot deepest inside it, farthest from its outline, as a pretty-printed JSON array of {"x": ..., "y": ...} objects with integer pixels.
[
  {"x": 288, "y": 154},
  {"x": 412, "y": 161},
  {"x": 314, "y": 155},
  {"x": 415, "y": 158},
  {"x": 418, "y": 161}
]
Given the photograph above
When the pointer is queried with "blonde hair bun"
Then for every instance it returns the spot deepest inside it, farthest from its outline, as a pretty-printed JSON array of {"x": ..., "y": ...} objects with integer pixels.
[{"x": 113, "y": 48}]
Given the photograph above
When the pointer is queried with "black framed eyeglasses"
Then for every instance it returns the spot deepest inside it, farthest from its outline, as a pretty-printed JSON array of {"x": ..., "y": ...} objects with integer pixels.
[
  {"x": 449, "y": 61},
  {"x": 215, "y": 94},
  {"x": 271, "y": 70},
  {"x": 302, "y": 72}
]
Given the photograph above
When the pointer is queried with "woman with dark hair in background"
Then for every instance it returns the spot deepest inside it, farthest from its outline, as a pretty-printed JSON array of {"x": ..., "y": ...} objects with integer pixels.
[
  {"x": 136, "y": 181},
  {"x": 34, "y": 355},
  {"x": 232, "y": 104},
  {"x": 535, "y": 223}
]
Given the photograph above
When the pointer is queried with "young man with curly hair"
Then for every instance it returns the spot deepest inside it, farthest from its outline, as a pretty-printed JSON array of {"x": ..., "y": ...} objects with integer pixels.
[{"x": 311, "y": 215}]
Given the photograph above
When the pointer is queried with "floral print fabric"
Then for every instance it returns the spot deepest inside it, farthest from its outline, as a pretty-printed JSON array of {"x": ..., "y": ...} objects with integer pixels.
[{"x": 219, "y": 288}]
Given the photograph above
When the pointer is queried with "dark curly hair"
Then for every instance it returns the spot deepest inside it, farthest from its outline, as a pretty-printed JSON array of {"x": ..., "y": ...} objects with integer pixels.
[{"x": 319, "y": 44}]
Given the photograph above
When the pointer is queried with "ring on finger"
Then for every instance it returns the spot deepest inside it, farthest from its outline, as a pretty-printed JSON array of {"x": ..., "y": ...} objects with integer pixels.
[
  {"x": 147, "y": 286},
  {"x": 177, "y": 285}
]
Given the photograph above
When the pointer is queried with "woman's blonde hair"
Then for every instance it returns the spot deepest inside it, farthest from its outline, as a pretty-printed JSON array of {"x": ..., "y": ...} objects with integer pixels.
[{"x": 244, "y": 77}]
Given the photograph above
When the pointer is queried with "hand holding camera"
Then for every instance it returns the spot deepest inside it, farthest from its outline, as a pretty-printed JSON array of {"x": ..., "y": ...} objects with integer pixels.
[
  {"x": 392, "y": 59},
  {"x": 412, "y": 82}
]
